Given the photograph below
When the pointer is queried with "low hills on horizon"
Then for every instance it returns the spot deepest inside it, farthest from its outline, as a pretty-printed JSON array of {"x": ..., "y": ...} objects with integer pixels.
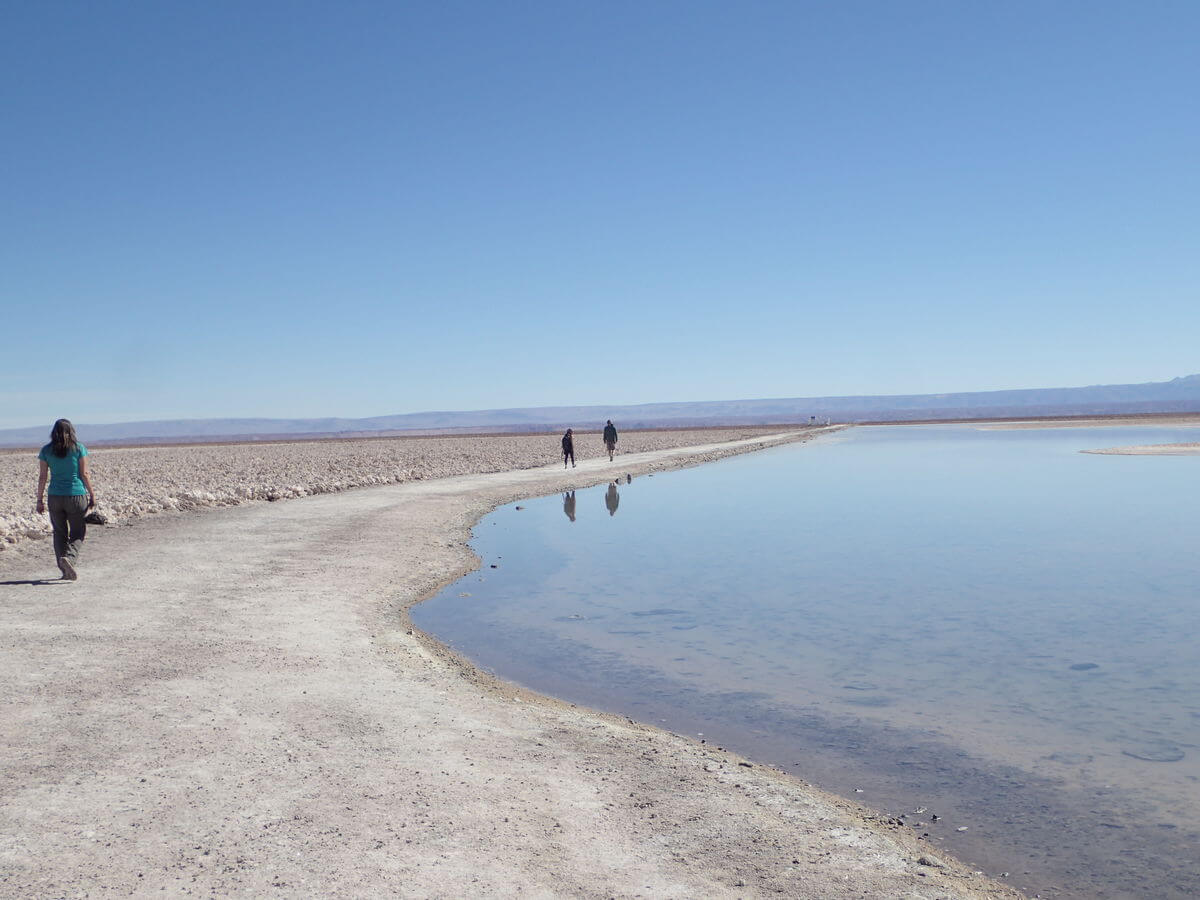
[{"x": 1180, "y": 395}]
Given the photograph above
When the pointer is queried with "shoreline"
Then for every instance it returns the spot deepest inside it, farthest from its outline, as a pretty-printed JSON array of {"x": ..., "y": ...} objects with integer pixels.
[
  {"x": 323, "y": 724},
  {"x": 1189, "y": 449},
  {"x": 1145, "y": 419},
  {"x": 137, "y": 482}
]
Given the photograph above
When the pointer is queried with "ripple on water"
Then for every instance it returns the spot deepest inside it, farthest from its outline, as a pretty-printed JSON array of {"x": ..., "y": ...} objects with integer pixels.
[
  {"x": 1155, "y": 751},
  {"x": 1070, "y": 759},
  {"x": 660, "y": 612},
  {"x": 869, "y": 700}
]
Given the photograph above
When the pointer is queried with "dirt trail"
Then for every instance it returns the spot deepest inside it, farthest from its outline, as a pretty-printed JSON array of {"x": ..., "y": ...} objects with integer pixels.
[{"x": 231, "y": 701}]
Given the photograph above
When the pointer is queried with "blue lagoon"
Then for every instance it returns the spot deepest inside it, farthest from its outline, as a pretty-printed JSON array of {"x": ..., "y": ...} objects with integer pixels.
[{"x": 983, "y": 630}]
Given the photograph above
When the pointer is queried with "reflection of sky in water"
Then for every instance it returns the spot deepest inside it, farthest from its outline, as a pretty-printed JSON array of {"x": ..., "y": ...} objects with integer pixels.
[{"x": 996, "y": 590}]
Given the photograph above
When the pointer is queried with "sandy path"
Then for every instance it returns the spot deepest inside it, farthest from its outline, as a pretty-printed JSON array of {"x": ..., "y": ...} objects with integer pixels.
[{"x": 230, "y": 702}]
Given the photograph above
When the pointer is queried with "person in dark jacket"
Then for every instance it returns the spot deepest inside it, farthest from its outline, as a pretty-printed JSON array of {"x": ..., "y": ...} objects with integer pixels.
[
  {"x": 610, "y": 438},
  {"x": 63, "y": 462},
  {"x": 568, "y": 445}
]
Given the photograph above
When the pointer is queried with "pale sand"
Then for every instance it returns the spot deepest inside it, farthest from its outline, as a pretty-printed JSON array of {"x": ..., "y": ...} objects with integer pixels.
[
  {"x": 231, "y": 702},
  {"x": 1150, "y": 450}
]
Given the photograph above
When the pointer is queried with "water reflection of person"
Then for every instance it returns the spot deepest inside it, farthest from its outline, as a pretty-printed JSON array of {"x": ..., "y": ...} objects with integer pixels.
[
  {"x": 569, "y": 504},
  {"x": 612, "y": 499}
]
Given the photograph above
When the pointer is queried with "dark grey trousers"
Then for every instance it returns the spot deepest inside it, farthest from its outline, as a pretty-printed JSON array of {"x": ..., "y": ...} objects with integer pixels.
[{"x": 66, "y": 518}]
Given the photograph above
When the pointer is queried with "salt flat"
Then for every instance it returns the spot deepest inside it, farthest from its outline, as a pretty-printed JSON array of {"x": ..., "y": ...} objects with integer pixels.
[
  {"x": 232, "y": 701},
  {"x": 140, "y": 481}
]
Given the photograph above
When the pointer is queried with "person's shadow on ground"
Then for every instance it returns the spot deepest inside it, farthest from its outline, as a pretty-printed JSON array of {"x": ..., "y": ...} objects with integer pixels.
[{"x": 33, "y": 581}]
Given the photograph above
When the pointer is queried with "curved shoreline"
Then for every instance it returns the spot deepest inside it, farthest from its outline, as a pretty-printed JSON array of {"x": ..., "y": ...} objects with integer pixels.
[
  {"x": 230, "y": 701},
  {"x": 486, "y": 504},
  {"x": 136, "y": 482}
]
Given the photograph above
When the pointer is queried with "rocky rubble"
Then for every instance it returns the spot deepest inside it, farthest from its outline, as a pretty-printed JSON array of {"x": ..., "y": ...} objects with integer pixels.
[{"x": 141, "y": 481}]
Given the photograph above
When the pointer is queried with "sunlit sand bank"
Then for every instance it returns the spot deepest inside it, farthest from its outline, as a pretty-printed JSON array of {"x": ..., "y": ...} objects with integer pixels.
[
  {"x": 1151, "y": 450},
  {"x": 1147, "y": 420}
]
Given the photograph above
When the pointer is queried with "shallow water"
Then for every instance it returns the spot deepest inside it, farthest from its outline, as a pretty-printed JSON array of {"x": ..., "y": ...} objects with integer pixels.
[{"x": 984, "y": 624}]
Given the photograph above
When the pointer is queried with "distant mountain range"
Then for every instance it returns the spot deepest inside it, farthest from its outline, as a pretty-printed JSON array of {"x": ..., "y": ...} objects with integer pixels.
[{"x": 1176, "y": 396}]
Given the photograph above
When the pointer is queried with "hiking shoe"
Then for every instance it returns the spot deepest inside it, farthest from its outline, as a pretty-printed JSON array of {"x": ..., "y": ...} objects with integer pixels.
[{"x": 68, "y": 570}]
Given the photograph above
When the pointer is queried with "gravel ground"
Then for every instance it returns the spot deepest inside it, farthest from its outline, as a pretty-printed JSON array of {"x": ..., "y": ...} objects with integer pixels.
[{"x": 135, "y": 482}]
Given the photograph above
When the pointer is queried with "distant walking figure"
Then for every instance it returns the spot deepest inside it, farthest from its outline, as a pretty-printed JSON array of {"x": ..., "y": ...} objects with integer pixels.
[
  {"x": 610, "y": 438},
  {"x": 64, "y": 462},
  {"x": 612, "y": 499},
  {"x": 569, "y": 504},
  {"x": 568, "y": 449}
]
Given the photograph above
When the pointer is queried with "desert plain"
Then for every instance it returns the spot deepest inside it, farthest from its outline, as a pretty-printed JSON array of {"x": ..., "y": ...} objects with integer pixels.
[{"x": 232, "y": 700}]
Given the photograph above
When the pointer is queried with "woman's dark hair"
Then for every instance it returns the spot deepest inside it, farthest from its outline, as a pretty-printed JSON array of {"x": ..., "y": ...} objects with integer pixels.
[{"x": 62, "y": 438}]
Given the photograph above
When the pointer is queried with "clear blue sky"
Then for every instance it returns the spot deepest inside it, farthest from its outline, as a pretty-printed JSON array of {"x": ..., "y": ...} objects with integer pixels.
[{"x": 347, "y": 208}]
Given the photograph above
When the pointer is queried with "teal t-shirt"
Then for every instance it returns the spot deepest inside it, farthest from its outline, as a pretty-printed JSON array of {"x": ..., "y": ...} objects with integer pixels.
[{"x": 64, "y": 471}]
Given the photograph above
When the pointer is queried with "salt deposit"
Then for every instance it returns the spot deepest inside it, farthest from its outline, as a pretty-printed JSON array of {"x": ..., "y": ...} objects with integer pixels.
[{"x": 141, "y": 481}]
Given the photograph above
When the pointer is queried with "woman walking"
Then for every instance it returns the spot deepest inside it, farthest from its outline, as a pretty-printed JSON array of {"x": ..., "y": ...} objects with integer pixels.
[
  {"x": 568, "y": 445},
  {"x": 64, "y": 461}
]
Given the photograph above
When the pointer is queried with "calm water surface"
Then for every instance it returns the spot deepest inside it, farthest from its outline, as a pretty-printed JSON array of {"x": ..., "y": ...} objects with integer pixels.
[{"x": 984, "y": 624}]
